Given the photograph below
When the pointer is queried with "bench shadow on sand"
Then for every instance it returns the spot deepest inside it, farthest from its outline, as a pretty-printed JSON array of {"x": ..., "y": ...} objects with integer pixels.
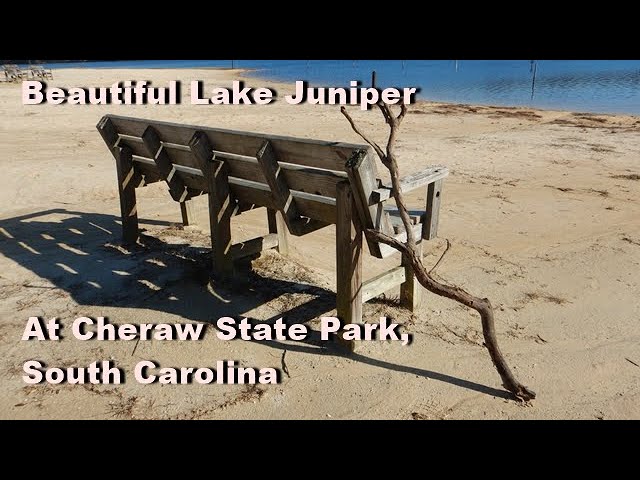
[{"x": 81, "y": 254}]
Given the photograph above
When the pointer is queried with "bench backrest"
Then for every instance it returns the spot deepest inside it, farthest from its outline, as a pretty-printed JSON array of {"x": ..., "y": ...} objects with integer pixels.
[{"x": 311, "y": 169}]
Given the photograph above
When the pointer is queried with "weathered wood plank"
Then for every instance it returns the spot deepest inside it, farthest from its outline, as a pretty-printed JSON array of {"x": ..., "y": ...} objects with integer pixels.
[
  {"x": 149, "y": 172},
  {"x": 426, "y": 176},
  {"x": 309, "y": 205},
  {"x": 192, "y": 178},
  {"x": 383, "y": 282},
  {"x": 253, "y": 246},
  {"x": 387, "y": 251},
  {"x": 411, "y": 182},
  {"x": 394, "y": 216},
  {"x": 180, "y": 154},
  {"x": 298, "y": 178},
  {"x": 348, "y": 261},
  {"x": 159, "y": 154},
  {"x": 432, "y": 215}
]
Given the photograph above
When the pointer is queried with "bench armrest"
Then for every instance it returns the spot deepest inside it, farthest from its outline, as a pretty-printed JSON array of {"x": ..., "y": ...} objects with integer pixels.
[{"x": 411, "y": 182}]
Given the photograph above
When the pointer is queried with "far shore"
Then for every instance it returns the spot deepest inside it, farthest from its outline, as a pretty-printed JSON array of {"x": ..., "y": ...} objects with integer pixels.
[{"x": 243, "y": 74}]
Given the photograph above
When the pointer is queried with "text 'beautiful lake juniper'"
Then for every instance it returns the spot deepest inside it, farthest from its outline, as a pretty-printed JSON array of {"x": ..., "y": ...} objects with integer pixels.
[{"x": 133, "y": 92}]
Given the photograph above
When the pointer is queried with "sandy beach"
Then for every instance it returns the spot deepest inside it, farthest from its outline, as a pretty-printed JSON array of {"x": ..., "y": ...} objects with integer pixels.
[{"x": 541, "y": 209}]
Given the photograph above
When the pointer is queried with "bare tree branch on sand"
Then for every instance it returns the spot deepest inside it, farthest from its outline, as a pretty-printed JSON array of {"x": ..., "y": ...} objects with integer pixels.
[{"x": 411, "y": 253}]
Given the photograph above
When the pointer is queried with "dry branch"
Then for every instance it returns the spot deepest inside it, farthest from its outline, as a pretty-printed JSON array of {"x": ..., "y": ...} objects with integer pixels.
[{"x": 410, "y": 253}]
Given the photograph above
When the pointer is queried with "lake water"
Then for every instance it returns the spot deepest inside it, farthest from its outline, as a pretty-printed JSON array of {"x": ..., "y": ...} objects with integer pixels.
[{"x": 603, "y": 86}]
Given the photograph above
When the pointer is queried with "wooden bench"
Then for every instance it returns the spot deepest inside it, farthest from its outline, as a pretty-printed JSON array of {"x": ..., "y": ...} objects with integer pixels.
[
  {"x": 40, "y": 72},
  {"x": 304, "y": 185},
  {"x": 13, "y": 73}
]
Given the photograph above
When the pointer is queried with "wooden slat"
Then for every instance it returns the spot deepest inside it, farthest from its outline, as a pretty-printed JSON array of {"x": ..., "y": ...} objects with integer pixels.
[
  {"x": 315, "y": 207},
  {"x": 298, "y": 178},
  {"x": 387, "y": 251},
  {"x": 192, "y": 181},
  {"x": 394, "y": 216},
  {"x": 252, "y": 193},
  {"x": 383, "y": 282},
  {"x": 429, "y": 175},
  {"x": 253, "y": 246},
  {"x": 411, "y": 182},
  {"x": 312, "y": 180},
  {"x": 155, "y": 150},
  {"x": 135, "y": 144},
  {"x": 192, "y": 178},
  {"x": 148, "y": 168},
  {"x": 311, "y": 206},
  {"x": 149, "y": 172},
  {"x": 180, "y": 154},
  {"x": 314, "y": 153}
]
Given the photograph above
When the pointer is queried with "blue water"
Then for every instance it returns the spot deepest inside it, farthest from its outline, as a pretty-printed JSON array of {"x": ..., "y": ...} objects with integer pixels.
[{"x": 603, "y": 86}]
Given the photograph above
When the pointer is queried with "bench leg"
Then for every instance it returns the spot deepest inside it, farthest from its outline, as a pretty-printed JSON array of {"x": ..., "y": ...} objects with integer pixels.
[
  {"x": 221, "y": 204},
  {"x": 348, "y": 261},
  {"x": 186, "y": 210},
  {"x": 411, "y": 290},
  {"x": 127, "y": 189},
  {"x": 221, "y": 208},
  {"x": 277, "y": 225},
  {"x": 220, "y": 221},
  {"x": 432, "y": 214}
]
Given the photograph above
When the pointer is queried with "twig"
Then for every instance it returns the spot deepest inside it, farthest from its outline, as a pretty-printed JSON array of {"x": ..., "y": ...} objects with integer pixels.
[
  {"x": 48, "y": 287},
  {"x": 631, "y": 361},
  {"x": 135, "y": 347},
  {"x": 284, "y": 364},
  {"x": 441, "y": 256}
]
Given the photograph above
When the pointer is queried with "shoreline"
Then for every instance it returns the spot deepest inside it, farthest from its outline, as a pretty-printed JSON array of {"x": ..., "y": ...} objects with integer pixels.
[
  {"x": 244, "y": 74},
  {"x": 463, "y": 104}
]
